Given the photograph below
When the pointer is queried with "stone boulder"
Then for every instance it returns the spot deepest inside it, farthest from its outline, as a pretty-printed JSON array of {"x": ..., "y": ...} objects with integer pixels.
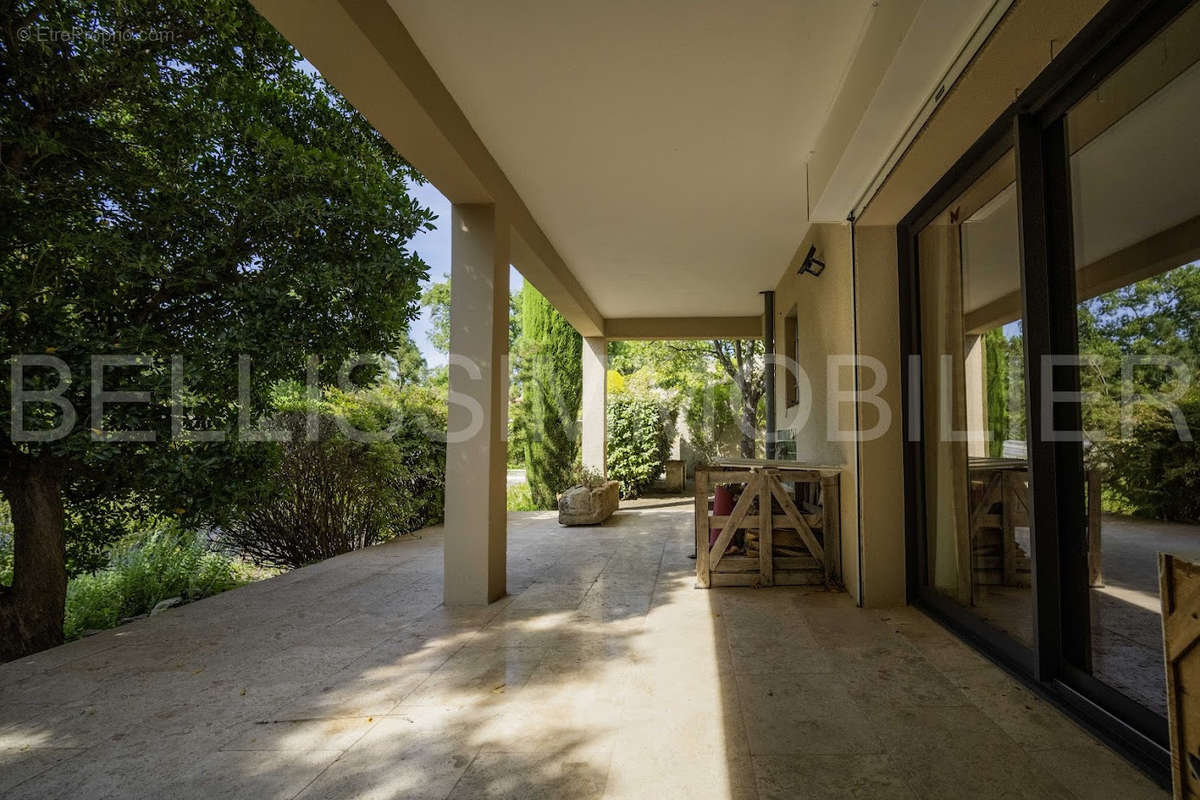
[{"x": 588, "y": 506}]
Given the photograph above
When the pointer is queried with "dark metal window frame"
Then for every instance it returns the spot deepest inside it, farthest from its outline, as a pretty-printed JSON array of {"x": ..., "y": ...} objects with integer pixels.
[{"x": 1034, "y": 126}]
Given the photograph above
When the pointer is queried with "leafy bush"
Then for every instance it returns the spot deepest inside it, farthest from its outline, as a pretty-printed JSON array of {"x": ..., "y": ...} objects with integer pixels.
[
  {"x": 585, "y": 476},
  {"x": 374, "y": 470},
  {"x": 6, "y": 545},
  {"x": 710, "y": 421},
  {"x": 638, "y": 442},
  {"x": 144, "y": 569},
  {"x": 1153, "y": 473}
]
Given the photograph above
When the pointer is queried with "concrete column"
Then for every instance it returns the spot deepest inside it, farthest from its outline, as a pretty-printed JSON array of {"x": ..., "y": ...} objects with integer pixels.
[
  {"x": 595, "y": 395},
  {"x": 476, "y": 521},
  {"x": 976, "y": 397}
]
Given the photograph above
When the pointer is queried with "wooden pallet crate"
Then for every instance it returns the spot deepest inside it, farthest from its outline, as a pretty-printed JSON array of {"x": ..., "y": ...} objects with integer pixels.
[
  {"x": 797, "y": 544},
  {"x": 1179, "y": 588}
]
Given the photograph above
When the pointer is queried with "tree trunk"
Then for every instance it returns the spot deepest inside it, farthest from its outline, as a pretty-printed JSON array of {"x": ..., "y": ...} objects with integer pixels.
[
  {"x": 749, "y": 426},
  {"x": 32, "y": 609}
]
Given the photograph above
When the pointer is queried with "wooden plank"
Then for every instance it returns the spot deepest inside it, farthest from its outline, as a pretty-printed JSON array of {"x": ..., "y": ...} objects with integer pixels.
[
  {"x": 831, "y": 528},
  {"x": 813, "y": 577},
  {"x": 789, "y": 511},
  {"x": 779, "y": 464},
  {"x": 1179, "y": 588},
  {"x": 736, "y": 578},
  {"x": 766, "y": 530},
  {"x": 786, "y": 563},
  {"x": 1095, "y": 564},
  {"x": 751, "y": 521},
  {"x": 740, "y": 509},
  {"x": 716, "y": 476},
  {"x": 1008, "y": 515},
  {"x": 737, "y": 564},
  {"x": 702, "y": 568},
  {"x": 798, "y": 476}
]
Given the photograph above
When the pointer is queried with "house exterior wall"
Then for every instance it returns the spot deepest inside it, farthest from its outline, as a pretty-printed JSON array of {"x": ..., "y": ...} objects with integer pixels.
[
  {"x": 853, "y": 307},
  {"x": 821, "y": 305}
]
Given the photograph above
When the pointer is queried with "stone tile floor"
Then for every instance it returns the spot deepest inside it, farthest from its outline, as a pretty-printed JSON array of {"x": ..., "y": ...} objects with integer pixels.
[{"x": 603, "y": 674}]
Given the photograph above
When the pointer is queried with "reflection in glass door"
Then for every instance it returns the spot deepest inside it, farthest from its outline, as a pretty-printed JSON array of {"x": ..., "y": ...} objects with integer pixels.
[
  {"x": 977, "y": 531},
  {"x": 1135, "y": 192}
]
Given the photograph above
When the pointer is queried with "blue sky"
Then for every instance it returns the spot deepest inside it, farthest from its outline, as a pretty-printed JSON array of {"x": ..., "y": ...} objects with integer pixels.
[{"x": 434, "y": 249}]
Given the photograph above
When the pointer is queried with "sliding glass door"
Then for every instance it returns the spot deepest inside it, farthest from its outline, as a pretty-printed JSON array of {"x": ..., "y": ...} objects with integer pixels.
[
  {"x": 1051, "y": 287},
  {"x": 977, "y": 540},
  {"x": 1135, "y": 211}
]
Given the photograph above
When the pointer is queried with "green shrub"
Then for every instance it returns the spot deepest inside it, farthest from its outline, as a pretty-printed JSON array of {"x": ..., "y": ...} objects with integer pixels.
[
  {"x": 375, "y": 470},
  {"x": 638, "y": 442},
  {"x": 144, "y": 569},
  {"x": 1153, "y": 473},
  {"x": 6, "y": 545}
]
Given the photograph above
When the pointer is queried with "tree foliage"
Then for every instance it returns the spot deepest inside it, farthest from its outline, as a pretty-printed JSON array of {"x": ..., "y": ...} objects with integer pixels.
[
  {"x": 174, "y": 182},
  {"x": 437, "y": 299},
  {"x": 639, "y": 442},
  {"x": 375, "y": 470},
  {"x": 550, "y": 367},
  {"x": 718, "y": 379},
  {"x": 1146, "y": 455}
]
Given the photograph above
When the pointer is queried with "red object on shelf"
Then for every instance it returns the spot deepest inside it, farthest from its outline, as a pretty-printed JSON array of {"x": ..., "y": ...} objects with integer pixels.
[{"x": 722, "y": 507}]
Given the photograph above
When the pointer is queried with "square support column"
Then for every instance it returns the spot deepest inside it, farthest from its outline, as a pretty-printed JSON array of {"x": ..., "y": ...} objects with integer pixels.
[
  {"x": 476, "y": 514},
  {"x": 973, "y": 367},
  {"x": 595, "y": 396}
]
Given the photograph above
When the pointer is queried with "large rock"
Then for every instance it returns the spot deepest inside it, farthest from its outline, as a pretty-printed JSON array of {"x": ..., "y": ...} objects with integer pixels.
[
  {"x": 584, "y": 506},
  {"x": 163, "y": 605}
]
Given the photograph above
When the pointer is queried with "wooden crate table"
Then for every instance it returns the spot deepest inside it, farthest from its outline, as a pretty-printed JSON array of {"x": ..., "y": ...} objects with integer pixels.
[
  {"x": 775, "y": 535},
  {"x": 998, "y": 500}
]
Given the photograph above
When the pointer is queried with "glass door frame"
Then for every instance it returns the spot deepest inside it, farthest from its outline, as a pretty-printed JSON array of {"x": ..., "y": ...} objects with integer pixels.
[{"x": 1034, "y": 125}]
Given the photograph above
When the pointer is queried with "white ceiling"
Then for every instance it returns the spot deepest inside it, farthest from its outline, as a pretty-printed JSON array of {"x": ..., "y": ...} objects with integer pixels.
[
  {"x": 929, "y": 48},
  {"x": 1142, "y": 175},
  {"x": 991, "y": 251},
  {"x": 661, "y": 146}
]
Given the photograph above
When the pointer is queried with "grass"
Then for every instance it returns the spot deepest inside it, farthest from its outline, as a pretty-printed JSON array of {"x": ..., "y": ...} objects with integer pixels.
[
  {"x": 520, "y": 498},
  {"x": 146, "y": 568}
]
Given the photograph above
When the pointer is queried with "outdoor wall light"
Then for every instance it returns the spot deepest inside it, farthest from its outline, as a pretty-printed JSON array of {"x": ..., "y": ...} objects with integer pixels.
[{"x": 812, "y": 265}]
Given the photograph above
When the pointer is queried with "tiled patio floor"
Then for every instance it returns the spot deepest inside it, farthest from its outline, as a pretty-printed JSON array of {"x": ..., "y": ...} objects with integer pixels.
[{"x": 604, "y": 674}]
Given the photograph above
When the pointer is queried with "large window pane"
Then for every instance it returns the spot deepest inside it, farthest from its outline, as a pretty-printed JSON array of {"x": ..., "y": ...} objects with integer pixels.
[
  {"x": 1135, "y": 175},
  {"x": 977, "y": 544}
]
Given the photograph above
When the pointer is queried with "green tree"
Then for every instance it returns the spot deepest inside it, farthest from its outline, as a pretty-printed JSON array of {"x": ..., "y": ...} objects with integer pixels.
[
  {"x": 437, "y": 299},
  {"x": 193, "y": 191},
  {"x": 639, "y": 441},
  {"x": 995, "y": 351},
  {"x": 684, "y": 366},
  {"x": 550, "y": 356}
]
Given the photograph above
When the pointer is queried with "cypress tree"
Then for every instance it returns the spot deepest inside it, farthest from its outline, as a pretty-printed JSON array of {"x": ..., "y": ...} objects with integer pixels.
[
  {"x": 551, "y": 374},
  {"x": 995, "y": 355}
]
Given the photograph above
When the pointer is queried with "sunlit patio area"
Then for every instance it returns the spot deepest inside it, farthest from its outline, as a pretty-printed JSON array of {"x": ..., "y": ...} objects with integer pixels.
[{"x": 603, "y": 674}]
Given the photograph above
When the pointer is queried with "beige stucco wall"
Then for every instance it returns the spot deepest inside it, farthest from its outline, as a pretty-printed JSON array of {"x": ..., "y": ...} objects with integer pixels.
[
  {"x": 826, "y": 308},
  {"x": 822, "y": 306},
  {"x": 881, "y": 469}
]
